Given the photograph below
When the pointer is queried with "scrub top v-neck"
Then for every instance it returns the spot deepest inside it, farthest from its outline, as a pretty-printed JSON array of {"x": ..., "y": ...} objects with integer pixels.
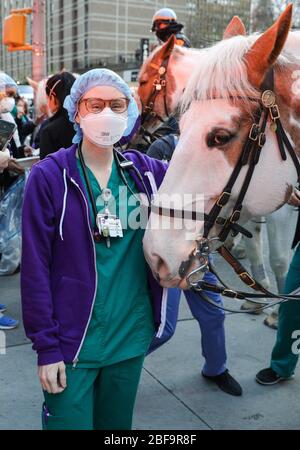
[{"x": 122, "y": 324}]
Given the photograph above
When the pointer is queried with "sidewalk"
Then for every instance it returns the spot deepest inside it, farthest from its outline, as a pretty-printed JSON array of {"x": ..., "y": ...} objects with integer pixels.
[{"x": 172, "y": 395}]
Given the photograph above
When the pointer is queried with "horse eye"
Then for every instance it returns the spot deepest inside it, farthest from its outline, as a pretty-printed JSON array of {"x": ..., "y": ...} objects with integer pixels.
[
  {"x": 218, "y": 138},
  {"x": 142, "y": 83}
]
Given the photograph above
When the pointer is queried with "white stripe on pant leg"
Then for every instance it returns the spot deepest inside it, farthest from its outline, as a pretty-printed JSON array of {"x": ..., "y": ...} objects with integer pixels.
[{"x": 163, "y": 313}]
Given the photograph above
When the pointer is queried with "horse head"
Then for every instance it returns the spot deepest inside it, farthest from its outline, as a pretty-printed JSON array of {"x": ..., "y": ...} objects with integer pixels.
[{"x": 162, "y": 80}]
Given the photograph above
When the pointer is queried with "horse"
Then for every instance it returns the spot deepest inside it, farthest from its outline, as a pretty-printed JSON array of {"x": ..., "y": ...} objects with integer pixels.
[
  {"x": 220, "y": 108},
  {"x": 162, "y": 80},
  {"x": 179, "y": 65}
]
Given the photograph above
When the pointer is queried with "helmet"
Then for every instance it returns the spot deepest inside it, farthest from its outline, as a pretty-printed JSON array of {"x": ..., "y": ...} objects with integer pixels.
[{"x": 166, "y": 15}]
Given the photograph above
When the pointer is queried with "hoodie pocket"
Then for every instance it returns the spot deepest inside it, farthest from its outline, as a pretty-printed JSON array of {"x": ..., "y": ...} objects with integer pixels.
[{"x": 72, "y": 300}]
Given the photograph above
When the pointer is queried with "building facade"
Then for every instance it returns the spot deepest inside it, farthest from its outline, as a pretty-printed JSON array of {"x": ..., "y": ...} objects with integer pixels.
[
  {"x": 207, "y": 19},
  {"x": 87, "y": 33},
  {"x": 18, "y": 64},
  {"x": 81, "y": 34}
]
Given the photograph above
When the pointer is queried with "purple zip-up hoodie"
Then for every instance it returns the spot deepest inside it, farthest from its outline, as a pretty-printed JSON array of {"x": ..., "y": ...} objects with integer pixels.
[{"x": 59, "y": 276}]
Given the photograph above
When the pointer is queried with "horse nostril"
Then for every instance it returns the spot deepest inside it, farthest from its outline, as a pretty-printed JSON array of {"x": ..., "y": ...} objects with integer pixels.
[
  {"x": 160, "y": 263},
  {"x": 161, "y": 268}
]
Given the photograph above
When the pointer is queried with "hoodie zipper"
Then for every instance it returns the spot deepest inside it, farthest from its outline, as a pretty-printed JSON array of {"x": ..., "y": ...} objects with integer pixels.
[{"x": 76, "y": 360}]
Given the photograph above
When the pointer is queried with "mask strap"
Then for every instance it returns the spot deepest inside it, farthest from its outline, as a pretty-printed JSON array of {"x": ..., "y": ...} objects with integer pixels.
[{"x": 52, "y": 90}]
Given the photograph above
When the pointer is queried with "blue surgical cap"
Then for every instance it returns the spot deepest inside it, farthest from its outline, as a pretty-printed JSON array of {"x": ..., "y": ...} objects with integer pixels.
[
  {"x": 7, "y": 81},
  {"x": 91, "y": 79}
]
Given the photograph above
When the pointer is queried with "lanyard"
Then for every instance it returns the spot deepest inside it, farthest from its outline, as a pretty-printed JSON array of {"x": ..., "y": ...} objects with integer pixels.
[{"x": 97, "y": 236}]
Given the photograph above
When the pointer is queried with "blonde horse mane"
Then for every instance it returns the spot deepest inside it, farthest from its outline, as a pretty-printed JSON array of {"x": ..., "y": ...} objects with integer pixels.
[{"x": 222, "y": 72}]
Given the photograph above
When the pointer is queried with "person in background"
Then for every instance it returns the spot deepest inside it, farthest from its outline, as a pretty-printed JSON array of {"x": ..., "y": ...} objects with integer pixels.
[
  {"x": 6, "y": 323},
  {"x": 8, "y": 93},
  {"x": 285, "y": 354},
  {"x": 59, "y": 131},
  {"x": 25, "y": 125},
  {"x": 165, "y": 24}
]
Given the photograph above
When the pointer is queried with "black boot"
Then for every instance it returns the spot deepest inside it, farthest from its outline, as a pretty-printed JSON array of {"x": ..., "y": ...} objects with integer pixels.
[{"x": 226, "y": 383}]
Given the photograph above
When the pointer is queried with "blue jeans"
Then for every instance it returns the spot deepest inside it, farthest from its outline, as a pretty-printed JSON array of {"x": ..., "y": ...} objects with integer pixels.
[{"x": 211, "y": 322}]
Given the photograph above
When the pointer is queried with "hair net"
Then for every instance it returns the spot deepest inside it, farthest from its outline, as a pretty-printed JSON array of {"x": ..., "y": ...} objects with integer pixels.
[
  {"x": 7, "y": 81},
  {"x": 91, "y": 79}
]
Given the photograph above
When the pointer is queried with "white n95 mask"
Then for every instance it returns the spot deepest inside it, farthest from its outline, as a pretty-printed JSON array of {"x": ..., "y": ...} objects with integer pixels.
[
  {"x": 104, "y": 129},
  {"x": 7, "y": 104}
]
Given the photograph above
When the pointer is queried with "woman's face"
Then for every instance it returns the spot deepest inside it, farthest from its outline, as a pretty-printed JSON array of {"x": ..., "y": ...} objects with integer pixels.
[
  {"x": 21, "y": 106},
  {"x": 102, "y": 92}
]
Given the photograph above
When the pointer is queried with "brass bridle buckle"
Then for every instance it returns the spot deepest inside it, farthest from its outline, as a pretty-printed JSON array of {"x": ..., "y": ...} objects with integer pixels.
[
  {"x": 230, "y": 293},
  {"x": 247, "y": 279},
  {"x": 274, "y": 112},
  {"x": 149, "y": 108},
  {"x": 254, "y": 132},
  {"x": 223, "y": 199},
  {"x": 262, "y": 139}
]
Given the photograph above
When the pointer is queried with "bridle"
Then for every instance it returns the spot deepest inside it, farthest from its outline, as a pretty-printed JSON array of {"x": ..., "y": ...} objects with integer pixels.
[
  {"x": 159, "y": 86},
  {"x": 250, "y": 155}
]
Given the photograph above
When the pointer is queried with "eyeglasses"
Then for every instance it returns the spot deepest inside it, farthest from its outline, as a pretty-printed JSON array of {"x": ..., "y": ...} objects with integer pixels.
[{"x": 97, "y": 105}]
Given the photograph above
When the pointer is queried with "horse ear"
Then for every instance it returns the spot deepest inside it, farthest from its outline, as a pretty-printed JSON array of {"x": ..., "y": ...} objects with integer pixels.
[
  {"x": 265, "y": 51},
  {"x": 32, "y": 83},
  {"x": 165, "y": 50},
  {"x": 236, "y": 27}
]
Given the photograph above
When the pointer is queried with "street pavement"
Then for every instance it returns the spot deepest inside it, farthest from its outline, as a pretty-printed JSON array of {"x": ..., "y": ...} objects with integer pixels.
[{"x": 173, "y": 395}]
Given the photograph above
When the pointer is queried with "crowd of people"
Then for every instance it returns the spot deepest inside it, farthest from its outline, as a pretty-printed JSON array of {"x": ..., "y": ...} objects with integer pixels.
[{"x": 93, "y": 319}]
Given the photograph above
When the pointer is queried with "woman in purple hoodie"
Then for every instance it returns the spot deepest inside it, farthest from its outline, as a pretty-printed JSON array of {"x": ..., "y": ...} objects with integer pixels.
[{"x": 90, "y": 304}]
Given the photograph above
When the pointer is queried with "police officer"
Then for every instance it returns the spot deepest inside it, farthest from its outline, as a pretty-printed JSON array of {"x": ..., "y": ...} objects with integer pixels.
[{"x": 165, "y": 23}]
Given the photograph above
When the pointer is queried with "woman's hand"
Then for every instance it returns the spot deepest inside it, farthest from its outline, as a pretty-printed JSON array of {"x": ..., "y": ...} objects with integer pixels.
[
  {"x": 295, "y": 198},
  {"x": 53, "y": 378}
]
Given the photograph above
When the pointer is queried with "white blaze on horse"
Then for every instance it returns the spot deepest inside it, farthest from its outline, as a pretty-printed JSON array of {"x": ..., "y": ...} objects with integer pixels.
[{"x": 220, "y": 104}]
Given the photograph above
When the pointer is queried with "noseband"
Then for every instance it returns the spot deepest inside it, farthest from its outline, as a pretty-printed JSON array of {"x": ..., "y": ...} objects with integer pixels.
[{"x": 250, "y": 155}]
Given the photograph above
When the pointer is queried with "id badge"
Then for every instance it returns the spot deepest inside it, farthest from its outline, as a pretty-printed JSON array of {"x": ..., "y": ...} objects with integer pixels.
[{"x": 109, "y": 226}]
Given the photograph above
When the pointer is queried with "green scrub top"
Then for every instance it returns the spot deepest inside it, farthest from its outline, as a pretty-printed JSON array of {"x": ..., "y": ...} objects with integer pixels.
[{"x": 122, "y": 323}]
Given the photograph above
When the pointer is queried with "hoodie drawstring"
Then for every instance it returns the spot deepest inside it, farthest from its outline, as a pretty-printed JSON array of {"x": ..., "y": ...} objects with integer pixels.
[{"x": 64, "y": 206}]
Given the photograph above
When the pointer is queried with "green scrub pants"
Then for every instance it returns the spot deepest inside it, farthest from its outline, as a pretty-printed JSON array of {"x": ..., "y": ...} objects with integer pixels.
[
  {"x": 283, "y": 360},
  {"x": 95, "y": 399}
]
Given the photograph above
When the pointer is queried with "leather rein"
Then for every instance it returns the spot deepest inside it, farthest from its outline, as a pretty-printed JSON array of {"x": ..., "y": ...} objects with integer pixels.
[{"x": 250, "y": 155}]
